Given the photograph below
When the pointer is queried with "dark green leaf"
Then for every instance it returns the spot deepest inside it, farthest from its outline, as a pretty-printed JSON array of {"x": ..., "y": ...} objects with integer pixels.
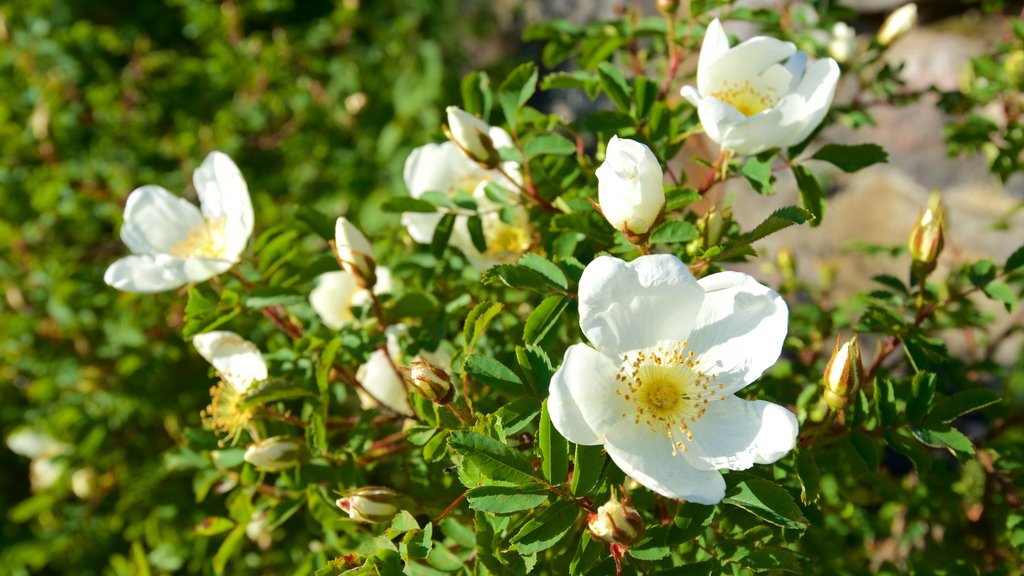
[
  {"x": 885, "y": 403},
  {"x": 944, "y": 436},
  {"x": 1001, "y": 292},
  {"x": 773, "y": 560},
  {"x": 518, "y": 414},
  {"x": 614, "y": 85},
  {"x": 765, "y": 499},
  {"x": 442, "y": 232},
  {"x": 810, "y": 477},
  {"x": 316, "y": 221},
  {"x": 551, "y": 273},
  {"x": 490, "y": 371},
  {"x": 516, "y": 89},
  {"x": 494, "y": 459},
  {"x": 276, "y": 390},
  {"x": 950, "y": 408},
  {"x": 536, "y": 366},
  {"x": 674, "y": 231},
  {"x": 399, "y": 204},
  {"x": 478, "y": 319},
  {"x": 901, "y": 441},
  {"x": 554, "y": 450},
  {"x": 548, "y": 144},
  {"x": 852, "y": 158},
  {"x": 922, "y": 393},
  {"x": 1015, "y": 261},
  {"x": 811, "y": 194},
  {"x": 544, "y": 318},
  {"x": 475, "y": 226},
  {"x": 507, "y": 499},
  {"x": 588, "y": 464},
  {"x": 547, "y": 528}
]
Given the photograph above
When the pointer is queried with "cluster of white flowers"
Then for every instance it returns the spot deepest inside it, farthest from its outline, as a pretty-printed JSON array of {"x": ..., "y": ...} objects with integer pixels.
[{"x": 656, "y": 385}]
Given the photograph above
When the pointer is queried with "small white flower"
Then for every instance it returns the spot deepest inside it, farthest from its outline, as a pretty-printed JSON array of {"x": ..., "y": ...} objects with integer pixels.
[
  {"x": 442, "y": 168},
  {"x": 897, "y": 24},
  {"x": 658, "y": 387},
  {"x": 629, "y": 186},
  {"x": 474, "y": 137},
  {"x": 337, "y": 293},
  {"x": 237, "y": 360},
  {"x": 843, "y": 43},
  {"x": 173, "y": 243},
  {"x": 759, "y": 94},
  {"x": 382, "y": 379},
  {"x": 46, "y": 467}
]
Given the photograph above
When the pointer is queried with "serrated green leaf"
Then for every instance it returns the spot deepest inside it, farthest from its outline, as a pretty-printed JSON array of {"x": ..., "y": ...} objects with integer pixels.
[
  {"x": 773, "y": 560},
  {"x": 494, "y": 459},
  {"x": 507, "y": 499},
  {"x": 852, "y": 158},
  {"x": 811, "y": 195},
  {"x": 885, "y": 402},
  {"x": 518, "y": 414},
  {"x": 779, "y": 220},
  {"x": 952, "y": 407},
  {"x": 764, "y": 499},
  {"x": 614, "y": 85},
  {"x": 554, "y": 450},
  {"x": 548, "y": 270},
  {"x": 442, "y": 233},
  {"x": 674, "y": 231},
  {"x": 536, "y": 366},
  {"x": 922, "y": 393},
  {"x": 588, "y": 465},
  {"x": 546, "y": 144},
  {"x": 544, "y": 318},
  {"x": 478, "y": 319},
  {"x": 547, "y": 528},
  {"x": 758, "y": 172},
  {"x": 1015, "y": 261},
  {"x": 1001, "y": 291},
  {"x": 944, "y": 436},
  {"x": 404, "y": 522},
  {"x": 809, "y": 475},
  {"x": 276, "y": 390},
  {"x": 490, "y": 371},
  {"x": 901, "y": 441}
]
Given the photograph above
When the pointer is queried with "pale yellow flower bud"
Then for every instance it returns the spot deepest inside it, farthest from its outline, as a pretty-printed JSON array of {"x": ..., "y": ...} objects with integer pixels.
[
  {"x": 430, "y": 381},
  {"x": 371, "y": 504},
  {"x": 843, "y": 43},
  {"x": 472, "y": 136},
  {"x": 897, "y": 24},
  {"x": 354, "y": 253},
  {"x": 926, "y": 239},
  {"x": 276, "y": 453},
  {"x": 617, "y": 522},
  {"x": 844, "y": 374}
]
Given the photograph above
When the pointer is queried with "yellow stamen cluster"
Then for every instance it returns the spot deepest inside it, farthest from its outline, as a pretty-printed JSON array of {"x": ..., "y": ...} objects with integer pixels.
[
  {"x": 225, "y": 414},
  {"x": 503, "y": 238},
  {"x": 206, "y": 239},
  {"x": 668, "y": 390},
  {"x": 745, "y": 98}
]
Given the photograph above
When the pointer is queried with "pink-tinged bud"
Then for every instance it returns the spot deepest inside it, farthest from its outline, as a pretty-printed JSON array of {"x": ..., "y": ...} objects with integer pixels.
[
  {"x": 844, "y": 373},
  {"x": 926, "y": 239},
  {"x": 430, "y": 381},
  {"x": 276, "y": 454},
  {"x": 371, "y": 504},
  {"x": 472, "y": 136},
  {"x": 617, "y": 522},
  {"x": 354, "y": 253}
]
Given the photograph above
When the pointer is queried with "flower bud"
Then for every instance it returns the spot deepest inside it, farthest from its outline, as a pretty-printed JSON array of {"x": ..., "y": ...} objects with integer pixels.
[
  {"x": 354, "y": 253},
  {"x": 629, "y": 186},
  {"x": 843, "y": 42},
  {"x": 897, "y": 24},
  {"x": 83, "y": 482},
  {"x": 668, "y": 6},
  {"x": 371, "y": 504},
  {"x": 276, "y": 453},
  {"x": 430, "y": 381},
  {"x": 844, "y": 373},
  {"x": 471, "y": 135},
  {"x": 712, "y": 225},
  {"x": 617, "y": 522},
  {"x": 926, "y": 239}
]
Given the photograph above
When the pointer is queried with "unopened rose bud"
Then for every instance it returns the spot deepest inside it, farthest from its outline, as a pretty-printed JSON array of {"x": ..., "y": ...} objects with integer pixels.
[
  {"x": 712, "y": 225},
  {"x": 629, "y": 187},
  {"x": 83, "y": 482},
  {"x": 844, "y": 373},
  {"x": 354, "y": 253},
  {"x": 897, "y": 24},
  {"x": 371, "y": 504},
  {"x": 926, "y": 239},
  {"x": 276, "y": 453},
  {"x": 617, "y": 522},
  {"x": 471, "y": 135},
  {"x": 668, "y": 6},
  {"x": 430, "y": 381},
  {"x": 843, "y": 42}
]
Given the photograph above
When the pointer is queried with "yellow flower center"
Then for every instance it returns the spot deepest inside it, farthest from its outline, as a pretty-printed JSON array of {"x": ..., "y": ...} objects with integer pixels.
[
  {"x": 206, "y": 239},
  {"x": 745, "y": 98},
  {"x": 225, "y": 414},
  {"x": 503, "y": 238},
  {"x": 668, "y": 390}
]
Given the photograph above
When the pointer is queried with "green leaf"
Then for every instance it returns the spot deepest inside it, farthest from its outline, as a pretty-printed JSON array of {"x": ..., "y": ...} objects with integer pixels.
[
  {"x": 554, "y": 450},
  {"x": 646, "y": 93},
  {"x": 809, "y": 475},
  {"x": 885, "y": 402},
  {"x": 852, "y": 158},
  {"x": 475, "y": 225},
  {"x": 493, "y": 459},
  {"x": 901, "y": 441},
  {"x": 213, "y": 525},
  {"x": 773, "y": 560},
  {"x": 614, "y": 85},
  {"x": 982, "y": 272},
  {"x": 778, "y": 220},
  {"x": 964, "y": 402},
  {"x": 316, "y": 222},
  {"x": 404, "y": 522},
  {"x": 530, "y": 276},
  {"x": 588, "y": 464},
  {"x": 536, "y": 366},
  {"x": 478, "y": 319},
  {"x": 764, "y": 499},
  {"x": 922, "y": 393},
  {"x": 551, "y": 273},
  {"x": 441, "y": 234},
  {"x": 276, "y": 390},
  {"x": 507, "y": 499},
  {"x": 548, "y": 144},
  {"x": 490, "y": 371},
  {"x": 518, "y": 414},
  {"x": 274, "y": 296},
  {"x": 227, "y": 548},
  {"x": 476, "y": 94},
  {"x": 517, "y": 89},
  {"x": 399, "y": 204},
  {"x": 544, "y": 318},
  {"x": 674, "y": 231},
  {"x": 944, "y": 436},
  {"x": 1001, "y": 292},
  {"x": 758, "y": 172},
  {"x": 547, "y": 528},
  {"x": 811, "y": 194},
  {"x": 868, "y": 450},
  {"x": 1015, "y": 261}
]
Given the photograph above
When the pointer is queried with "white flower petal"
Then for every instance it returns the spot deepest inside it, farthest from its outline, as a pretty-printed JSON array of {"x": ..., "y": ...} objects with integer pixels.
[
  {"x": 717, "y": 117},
  {"x": 745, "y": 61},
  {"x": 332, "y": 298},
  {"x": 432, "y": 167},
  {"x": 421, "y": 225},
  {"x": 715, "y": 45},
  {"x": 646, "y": 456},
  {"x": 236, "y": 359},
  {"x": 627, "y": 306},
  {"x": 740, "y": 330},
  {"x": 383, "y": 384},
  {"x": 756, "y": 133},
  {"x": 34, "y": 444},
  {"x": 223, "y": 193},
  {"x": 155, "y": 220},
  {"x": 146, "y": 274},
  {"x": 736, "y": 434},
  {"x": 818, "y": 88},
  {"x": 583, "y": 403}
]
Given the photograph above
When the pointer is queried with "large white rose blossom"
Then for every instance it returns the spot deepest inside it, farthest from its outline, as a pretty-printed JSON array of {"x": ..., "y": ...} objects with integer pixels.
[
  {"x": 759, "y": 94},
  {"x": 337, "y": 293},
  {"x": 658, "y": 387},
  {"x": 629, "y": 186},
  {"x": 443, "y": 168},
  {"x": 174, "y": 243}
]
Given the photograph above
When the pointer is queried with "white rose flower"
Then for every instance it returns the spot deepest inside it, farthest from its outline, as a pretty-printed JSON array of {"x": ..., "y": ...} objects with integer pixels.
[
  {"x": 442, "y": 168},
  {"x": 843, "y": 43},
  {"x": 629, "y": 186},
  {"x": 337, "y": 293},
  {"x": 173, "y": 243},
  {"x": 897, "y": 24},
  {"x": 759, "y": 94},
  {"x": 658, "y": 387},
  {"x": 237, "y": 360}
]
